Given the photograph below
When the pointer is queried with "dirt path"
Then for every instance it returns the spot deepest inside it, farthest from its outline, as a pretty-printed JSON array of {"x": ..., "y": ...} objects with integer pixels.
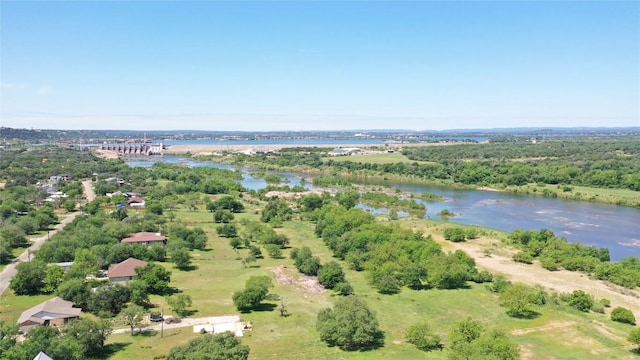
[{"x": 561, "y": 281}]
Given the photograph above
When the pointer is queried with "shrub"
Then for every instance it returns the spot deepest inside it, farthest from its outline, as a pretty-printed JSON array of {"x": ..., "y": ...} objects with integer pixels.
[
  {"x": 523, "y": 257},
  {"x": 581, "y": 300},
  {"x": 423, "y": 337},
  {"x": 343, "y": 288},
  {"x": 623, "y": 315}
]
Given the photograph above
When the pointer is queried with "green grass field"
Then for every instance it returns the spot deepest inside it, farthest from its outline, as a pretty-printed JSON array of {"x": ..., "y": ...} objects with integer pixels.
[
  {"x": 558, "y": 333},
  {"x": 387, "y": 158}
]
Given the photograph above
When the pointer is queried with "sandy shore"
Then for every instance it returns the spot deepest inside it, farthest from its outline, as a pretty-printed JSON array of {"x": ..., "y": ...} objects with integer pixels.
[
  {"x": 210, "y": 148},
  {"x": 561, "y": 281}
]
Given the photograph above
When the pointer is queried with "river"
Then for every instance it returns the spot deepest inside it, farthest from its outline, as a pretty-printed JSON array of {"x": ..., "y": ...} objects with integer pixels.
[{"x": 614, "y": 227}]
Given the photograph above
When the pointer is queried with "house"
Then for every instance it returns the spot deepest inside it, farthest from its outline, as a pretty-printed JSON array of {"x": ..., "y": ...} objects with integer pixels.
[
  {"x": 135, "y": 201},
  {"x": 125, "y": 271},
  {"x": 54, "y": 312},
  {"x": 145, "y": 238},
  {"x": 42, "y": 356}
]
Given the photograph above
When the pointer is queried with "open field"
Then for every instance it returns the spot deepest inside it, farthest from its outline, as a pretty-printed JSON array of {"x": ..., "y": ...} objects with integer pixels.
[
  {"x": 558, "y": 333},
  {"x": 219, "y": 274}
]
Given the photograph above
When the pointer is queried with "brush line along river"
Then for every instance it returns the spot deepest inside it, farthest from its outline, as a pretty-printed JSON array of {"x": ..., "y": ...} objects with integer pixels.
[{"x": 614, "y": 227}]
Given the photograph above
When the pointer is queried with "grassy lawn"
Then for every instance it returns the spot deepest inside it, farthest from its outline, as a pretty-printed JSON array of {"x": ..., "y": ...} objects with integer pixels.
[
  {"x": 557, "y": 333},
  {"x": 387, "y": 158},
  {"x": 624, "y": 197}
]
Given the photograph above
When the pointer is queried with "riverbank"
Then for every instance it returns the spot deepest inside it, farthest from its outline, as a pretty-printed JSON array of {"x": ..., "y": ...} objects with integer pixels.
[{"x": 619, "y": 197}]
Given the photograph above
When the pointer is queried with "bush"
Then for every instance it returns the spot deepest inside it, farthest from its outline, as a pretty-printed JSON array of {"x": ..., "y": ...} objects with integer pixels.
[
  {"x": 343, "y": 288},
  {"x": 605, "y": 302},
  {"x": 623, "y": 315},
  {"x": 597, "y": 308},
  {"x": 423, "y": 337},
  {"x": 455, "y": 234},
  {"x": 523, "y": 257},
  {"x": 581, "y": 300}
]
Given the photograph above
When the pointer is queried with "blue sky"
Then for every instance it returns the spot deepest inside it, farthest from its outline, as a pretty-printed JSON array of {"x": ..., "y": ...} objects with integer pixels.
[{"x": 319, "y": 65}]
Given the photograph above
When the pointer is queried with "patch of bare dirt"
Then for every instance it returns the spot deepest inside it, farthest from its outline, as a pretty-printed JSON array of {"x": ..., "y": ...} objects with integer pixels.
[
  {"x": 561, "y": 281},
  {"x": 283, "y": 278},
  {"x": 311, "y": 284}
]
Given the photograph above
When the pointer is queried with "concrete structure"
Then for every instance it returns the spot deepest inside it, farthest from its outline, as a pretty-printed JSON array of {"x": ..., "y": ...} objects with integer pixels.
[
  {"x": 135, "y": 149},
  {"x": 145, "y": 238},
  {"x": 125, "y": 271},
  {"x": 220, "y": 324},
  {"x": 54, "y": 312}
]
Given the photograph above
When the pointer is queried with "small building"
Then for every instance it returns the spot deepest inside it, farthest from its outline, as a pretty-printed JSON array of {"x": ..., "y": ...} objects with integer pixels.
[
  {"x": 125, "y": 271},
  {"x": 54, "y": 312},
  {"x": 136, "y": 201},
  {"x": 42, "y": 356},
  {"x": 145, "y": 238},
  {"x": 64, "y": 265}
]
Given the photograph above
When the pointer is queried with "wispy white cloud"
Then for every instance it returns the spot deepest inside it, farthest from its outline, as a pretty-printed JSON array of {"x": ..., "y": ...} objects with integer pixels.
[
  {"x": 13, "y": 86},
  {"x": 44, "y": 90}
]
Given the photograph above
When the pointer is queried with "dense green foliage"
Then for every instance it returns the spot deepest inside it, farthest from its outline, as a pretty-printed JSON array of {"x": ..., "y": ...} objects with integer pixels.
[
  {"x": 350, "y": 324},
  {"x": 607, "y": 162},
  {"x": 223, "y": 346},
  {"x": 468, "y": 340},
  {"x": 255, "y": 290},
  {"x": 78, "y": 340},
  {"x": 423, "y": 337},
  {"x": 555, "y": 253},
  {"x": 393, "y": 257},
  {"x": 634, "y": 338},
  {"x": 623, "y": 315}
]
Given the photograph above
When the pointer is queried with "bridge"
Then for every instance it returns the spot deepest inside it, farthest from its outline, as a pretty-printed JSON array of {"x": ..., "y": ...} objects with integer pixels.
[{"x": 135, "y": 149}]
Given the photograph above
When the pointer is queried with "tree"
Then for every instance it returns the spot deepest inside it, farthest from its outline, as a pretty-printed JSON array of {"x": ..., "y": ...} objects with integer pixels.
[
  {"x": 423, "y": 337},
  {"x": 464, "y": 332},
  {"x": 53, "y": 277},
  {"x": 634, "y": 338},
  {"x": 181, "y": 258},
  {"x": 30, "y": 278},
  {"x": 69, "y": 205},
  {"x": 76, "y": 291},
  {"x": 256, "y": 290},
  {"x": 155, "y": 276},
  {"x": 223, "y": 346},
  {"x": 139, "y": 292},
  {"x": 179, "y": 303},
  {"x": 89, "y": 334},
  {"x": 109, "y": 298},
  {"x": 227, "y": 230},
  {"x": 623, "y": 315},
  {"x": 304, "y": 260},
  {"x": 581, "y": 300},
  {"x": 517, "y": 298},
  {"x": 274, "y": 251},
  {"x": 133, "y": 316},
  {"x": 330, "y": 274},
  {"x": 350, "y": 324},
  {"x": 8, "y": 334}
]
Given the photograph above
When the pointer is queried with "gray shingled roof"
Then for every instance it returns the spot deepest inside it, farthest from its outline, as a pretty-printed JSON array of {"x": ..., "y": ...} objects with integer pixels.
[{"x": 55, "y": 308}]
